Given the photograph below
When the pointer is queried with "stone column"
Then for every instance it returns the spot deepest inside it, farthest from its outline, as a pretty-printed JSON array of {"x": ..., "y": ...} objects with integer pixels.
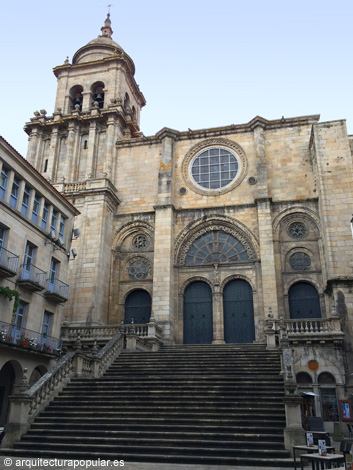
[
  {"x": 163, "y": 269},
  {"x": 218, "y": 322},
  {"x": 91, "y": 151},
  {"x": 53, "y": 154},
  {"x": 110, "y": 139},
  {"x": 70, "y": 152},
  {"x": 33, "y": 156}
]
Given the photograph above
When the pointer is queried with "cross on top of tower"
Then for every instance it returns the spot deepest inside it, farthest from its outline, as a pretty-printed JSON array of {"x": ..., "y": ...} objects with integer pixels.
[{"x": 107, "y": 29}]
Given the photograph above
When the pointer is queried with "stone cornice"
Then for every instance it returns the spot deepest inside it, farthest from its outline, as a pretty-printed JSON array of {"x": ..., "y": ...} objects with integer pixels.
[{"x": 222, "y": 131}]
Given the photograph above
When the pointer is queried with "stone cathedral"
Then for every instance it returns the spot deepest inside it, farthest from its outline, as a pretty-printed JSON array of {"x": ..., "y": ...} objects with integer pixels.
[{"x": 217, "y": 233}]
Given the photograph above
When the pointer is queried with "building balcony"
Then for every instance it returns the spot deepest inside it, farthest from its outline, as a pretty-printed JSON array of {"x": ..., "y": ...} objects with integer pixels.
[
  {"x": 8, "y": 263},
  {"x": 10, "y": 335},
  {"x": 310, "y": 330},
  {"x": 57, "y": 291},
  {"x": 32, "y": 278}
]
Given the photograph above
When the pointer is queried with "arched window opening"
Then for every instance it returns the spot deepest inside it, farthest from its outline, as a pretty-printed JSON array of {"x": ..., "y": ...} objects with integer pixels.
[
  {"x": 138, "y": 307},
  {"x": 76, "y": 97},
  {"x": 126, "y": 102},
  {"x": 198, "y": 315},
  {"x": 216, "y": 247},
  {"x": 325, "y": 378},
  {"x": 303, "y": 378},
  {"x": 133, "y": 114},
  {"x": 303, "y": 301},
  {"x": 97, "y": 91}
]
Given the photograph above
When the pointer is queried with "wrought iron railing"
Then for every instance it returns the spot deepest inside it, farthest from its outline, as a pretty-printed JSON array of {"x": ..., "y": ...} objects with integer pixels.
[
  {"x": 28, "y": 339},
  {"x": 58, "y": 288},
  {"x": 8, "y": 260},
  {"x": 33, "y": 274}
]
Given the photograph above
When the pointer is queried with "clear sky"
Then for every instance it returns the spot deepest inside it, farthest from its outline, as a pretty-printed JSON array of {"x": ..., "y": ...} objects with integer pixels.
[{"x": 199, "y": 63}]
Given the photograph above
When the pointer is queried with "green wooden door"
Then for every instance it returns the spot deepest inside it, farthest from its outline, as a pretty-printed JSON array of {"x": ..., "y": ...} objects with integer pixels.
[
  {"x": 238, "y": 312},
  {"x": 198, "y": 318}
]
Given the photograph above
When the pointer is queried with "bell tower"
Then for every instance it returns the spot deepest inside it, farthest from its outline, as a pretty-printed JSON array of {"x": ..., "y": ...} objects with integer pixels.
[{"x": 97, "y": 102}]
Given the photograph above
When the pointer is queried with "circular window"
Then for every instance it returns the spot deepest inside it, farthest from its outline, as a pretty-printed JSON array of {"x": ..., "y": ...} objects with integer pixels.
[
  {"x": 300, "y": 261},
  {"x": 297, "y": 230},
  {"x": 139, "y": 269},
  {"x": 214, "y": 168},
  {"x": 140, "y": 242}
]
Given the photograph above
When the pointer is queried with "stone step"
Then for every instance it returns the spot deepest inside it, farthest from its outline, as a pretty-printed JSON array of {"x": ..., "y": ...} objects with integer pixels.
[
  {"x": 166, "y": 414},
  {"x": 107, "y": 449},
  {"x": 195, "y": 407},
  {"x": 251, "y": 439},
  {"x": 158, "y": 426},
  {"x": 243, "y": 461},
  {"x": 172, "y": 441}
]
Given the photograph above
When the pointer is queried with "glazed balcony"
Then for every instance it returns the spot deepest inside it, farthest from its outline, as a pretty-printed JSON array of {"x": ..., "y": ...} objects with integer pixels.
[
  {"x": 57, "y": 291},
  {"x": 30, "y": 340},
  {"x": 32, "y": 278},
  {"x": 8, "y": 263}
]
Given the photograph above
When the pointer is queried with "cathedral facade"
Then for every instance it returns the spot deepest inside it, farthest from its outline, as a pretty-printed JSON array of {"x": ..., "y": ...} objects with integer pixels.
[{"x": 213, "y": 231}]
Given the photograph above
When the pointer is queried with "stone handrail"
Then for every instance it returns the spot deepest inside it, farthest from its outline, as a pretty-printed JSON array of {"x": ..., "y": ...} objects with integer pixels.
[
  {"x": 42, "y": 391},
  {"x": 108, "y": 354},
  {"x": 25, "y": 404},
  {"x": 96, "y": 333},
  {"x": 311, "y": 325}
]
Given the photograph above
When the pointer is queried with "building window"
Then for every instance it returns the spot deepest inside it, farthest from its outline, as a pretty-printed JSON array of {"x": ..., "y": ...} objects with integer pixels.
[
  {"x": 300, "y": 261},
  {"x": 3, "y": 182},
  {"x": 214, "y": 168},
  {"x": 28, "y": 261},
  {"x": 2, "y": 236},
  {"x": 14, "y": 192},
  {"x": 20, "y": 316},
  {"x": 35, "y": 209},
  {"x": 216, "y": 247},
  {"x": 297, "y": 230},
  {"x": 139, "y": 269},
  {"x": 329, "y": 405},
  {"x": 25, "y": 201},
  {"x": 53, "y": 274},
  {"x": 54, "y": 218},
  {"x": 45, "y": 217},
  {"x": 61, "y": 227},
  {"x": 46, "y": 326},
  {"x": 140, "y": 241}
]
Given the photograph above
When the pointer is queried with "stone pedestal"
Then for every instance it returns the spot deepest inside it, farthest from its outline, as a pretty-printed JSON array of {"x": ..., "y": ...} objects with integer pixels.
[{"x": 294, "y": 433}]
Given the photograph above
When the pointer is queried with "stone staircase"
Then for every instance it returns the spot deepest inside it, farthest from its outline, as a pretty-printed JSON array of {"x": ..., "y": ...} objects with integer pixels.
[{"x": 217, "y": 404}]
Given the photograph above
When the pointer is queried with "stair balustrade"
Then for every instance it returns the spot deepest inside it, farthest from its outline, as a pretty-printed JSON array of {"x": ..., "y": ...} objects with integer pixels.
[
  {"x": 303, "y": 330},
  {"x": 27, "y": 403}
]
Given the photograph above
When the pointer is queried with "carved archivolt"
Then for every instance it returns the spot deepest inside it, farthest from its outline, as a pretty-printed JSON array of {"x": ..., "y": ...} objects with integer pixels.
[
  {"x": 238, "y": 276},
  {"x": 133, "y": 229},
  {"x": 205, "y": 225},
  {"x": 283, "y": 220},
  {"x": 194, "y": 279},
  {"x": 205, "y": 144}
]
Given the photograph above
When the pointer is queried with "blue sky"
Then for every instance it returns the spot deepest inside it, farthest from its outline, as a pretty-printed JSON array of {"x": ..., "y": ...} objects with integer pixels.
[{"x": 199, "y": 63}]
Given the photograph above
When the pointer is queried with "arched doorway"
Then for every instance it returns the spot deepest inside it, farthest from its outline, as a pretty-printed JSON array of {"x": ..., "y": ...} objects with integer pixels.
[
  {"x": 7, "y": 380},
  {"x": 303, "y": 301},
  {"x": 238, "y": 309},
  {"x": 198, "y": 317},
  {"x": 138, "y": 307}
]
